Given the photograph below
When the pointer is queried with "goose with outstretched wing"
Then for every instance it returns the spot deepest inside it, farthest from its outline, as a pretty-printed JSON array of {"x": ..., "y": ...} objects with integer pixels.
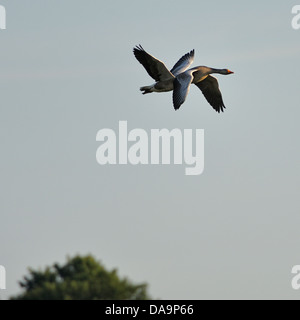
[{"x": 179, "y": 78}]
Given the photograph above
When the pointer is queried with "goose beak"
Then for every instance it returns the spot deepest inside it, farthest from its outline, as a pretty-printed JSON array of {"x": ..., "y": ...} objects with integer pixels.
[{"x": 229, "y": 72}]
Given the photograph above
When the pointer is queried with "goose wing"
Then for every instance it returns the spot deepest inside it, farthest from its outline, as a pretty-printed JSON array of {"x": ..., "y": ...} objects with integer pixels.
[
  {"x": 181, "y": 89},
  {"x": 210, "y": 89},
  {"x": 183, "y": 63},
  {"x": 155, "y": 68}
]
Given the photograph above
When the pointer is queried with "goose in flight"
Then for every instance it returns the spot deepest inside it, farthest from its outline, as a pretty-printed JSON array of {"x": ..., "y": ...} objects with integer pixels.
[{"x": 180, "y": 78}]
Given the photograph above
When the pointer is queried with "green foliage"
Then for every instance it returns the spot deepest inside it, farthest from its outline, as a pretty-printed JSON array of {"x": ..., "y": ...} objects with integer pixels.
[{"x": 81, "y": 278}]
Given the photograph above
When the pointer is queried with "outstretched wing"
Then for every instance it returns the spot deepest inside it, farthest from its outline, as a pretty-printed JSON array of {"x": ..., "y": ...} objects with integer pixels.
[
  {"x": 210, "y": 89},
  {"x": 155, "y": 68},
  {"x": 183, "y": 63},
  {"x": 181, "y": 89}
]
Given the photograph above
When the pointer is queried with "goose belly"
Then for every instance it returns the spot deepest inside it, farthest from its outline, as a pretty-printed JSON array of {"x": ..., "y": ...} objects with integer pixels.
[{"x": 164, "y": 86}]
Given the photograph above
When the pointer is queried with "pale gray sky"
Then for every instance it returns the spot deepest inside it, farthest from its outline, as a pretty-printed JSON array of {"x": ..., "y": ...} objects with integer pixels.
[{"x": 67, "y": 70}]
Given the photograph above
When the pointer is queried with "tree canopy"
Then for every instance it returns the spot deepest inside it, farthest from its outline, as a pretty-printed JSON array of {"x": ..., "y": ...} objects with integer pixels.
[{"x": 80, "y": 278}]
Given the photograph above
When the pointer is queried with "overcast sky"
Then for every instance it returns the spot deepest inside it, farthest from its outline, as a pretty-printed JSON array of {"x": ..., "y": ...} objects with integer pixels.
[{"x": 67, "y": 70}]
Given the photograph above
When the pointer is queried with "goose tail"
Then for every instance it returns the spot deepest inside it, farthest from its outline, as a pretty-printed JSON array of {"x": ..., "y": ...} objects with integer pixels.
[{"x": 147, "y": 89}]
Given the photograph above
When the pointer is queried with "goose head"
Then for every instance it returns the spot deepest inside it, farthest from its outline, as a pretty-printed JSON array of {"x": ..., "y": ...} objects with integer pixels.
[
  {"x": 220, "y": 71},
  {"x": 227, "y": 71}
]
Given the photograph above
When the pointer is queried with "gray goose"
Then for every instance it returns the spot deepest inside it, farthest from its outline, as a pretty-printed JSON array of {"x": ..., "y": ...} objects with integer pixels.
[{"x": 179, "y": 78}]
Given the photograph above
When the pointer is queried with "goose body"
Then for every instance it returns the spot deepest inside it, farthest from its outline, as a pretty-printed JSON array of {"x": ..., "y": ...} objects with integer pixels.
[{"x": 179, "y": 78}]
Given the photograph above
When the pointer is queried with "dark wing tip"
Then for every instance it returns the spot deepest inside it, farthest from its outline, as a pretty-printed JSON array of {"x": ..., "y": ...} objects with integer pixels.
[
  {"x": 140, "y": 54},
  {"x": 177, "y": 100},
  {"x": 218, "y": 107},
  {"x": 149, "y": 62},
  {"x": 212, "y": 94},
  {"x": 138, "y": 48},
  {"x": 176, "y": 105},
  {"x": 223, "y": 107}
]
